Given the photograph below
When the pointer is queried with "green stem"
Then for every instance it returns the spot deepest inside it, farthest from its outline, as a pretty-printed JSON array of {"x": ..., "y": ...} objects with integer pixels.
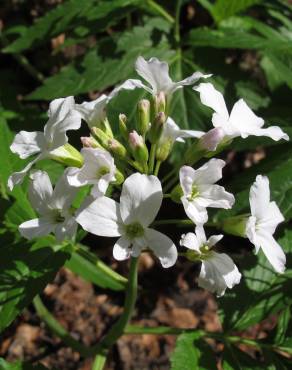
[
  {"x": 99, "y": 361},
  {"x": 161, "y": 330},
  {"x": 160, "y": 10},
  {"x": 58, "y": 329},
  {"x": 152, "y": 158},
  {"x": 118, "y": 328},
  {"x": 157, "y": 167},
  {"x": 177, "y": 24},
  {"x": 174, "y": 221}
]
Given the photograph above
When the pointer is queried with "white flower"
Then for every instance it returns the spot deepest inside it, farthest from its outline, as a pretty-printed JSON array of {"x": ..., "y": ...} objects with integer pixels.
[
  {"x": 171, "y": 132},
  {"x": 53, "y": 206},
  {"x": 199, "y": 191},
  {"x": 156, "y": 73},
  {"x": 264, "y": 219},
  {"x": 98, "y": 170},
  {"x": 218, "y": 271},
  {"x": 241, "y": 121},
  {"x": 140, "y": 201},
  {"x": 62, "y": 117}
]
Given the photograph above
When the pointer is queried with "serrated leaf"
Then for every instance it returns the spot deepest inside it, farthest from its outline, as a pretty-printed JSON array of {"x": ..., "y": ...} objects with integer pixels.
[
  {"x": 25, "y": 270},
  {"x": 68, "y": 16}
]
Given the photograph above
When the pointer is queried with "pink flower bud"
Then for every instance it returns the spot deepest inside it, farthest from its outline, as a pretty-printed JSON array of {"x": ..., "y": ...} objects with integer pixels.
[
  {"x": 135, "y": 140},
  {"x": 89, "y": 142},
  {"x": 212, "y": 138}
]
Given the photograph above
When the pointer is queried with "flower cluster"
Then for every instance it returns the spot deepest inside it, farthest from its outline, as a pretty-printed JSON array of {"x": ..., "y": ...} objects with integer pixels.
[{"x": 128, "y": 163}]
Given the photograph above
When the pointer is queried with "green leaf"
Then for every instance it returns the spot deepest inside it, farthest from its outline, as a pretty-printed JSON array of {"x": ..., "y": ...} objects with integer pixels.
[
  {"x": 191, "y": 353},
  {"x": 223, "y": 9},
  {"x": 95, "y": 72},
  {"x": 25, "y": 270},
  {"x": 282, "y": 326},
  {"x": 19, "y": 366},
  {"x": 68, "y": 16},
  {"x": 91, "y": 268}
]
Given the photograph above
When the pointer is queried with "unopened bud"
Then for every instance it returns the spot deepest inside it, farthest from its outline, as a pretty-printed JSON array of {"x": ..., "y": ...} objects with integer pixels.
[
  {"x": 119, "y": 177},
  {"x": 67, "y": 155},
  {"x": 157, "y": 127},
  {"x": 101, "y": 136},
  {"x": 143, "y": 119},
  {"x": 138, "y": 146},
  {"x": 106, "y": 127},
  {"x": 89, "y": 142},
  {"x": 163, "y": 150},
  {"x": 123, "y": 126},
  {"x": 211, "y": 139},
  {"x": 159, "y": 103},
  {"x": 117, "y": 148}
]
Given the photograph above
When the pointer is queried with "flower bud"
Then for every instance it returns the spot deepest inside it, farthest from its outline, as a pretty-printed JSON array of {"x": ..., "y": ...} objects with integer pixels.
[
  {"x": 89, "y": 142},
  {"x": 157, "y": 127},
  {"x": 235, "y": 225},
  {"x": 138, "y": 146},
  {"x": 159, "y": 103},
  {"x": 106, "y": 127},
  {"x": 211, "y": 139},
  {"x": 117, "y": 148},
  {"x": 67, "y": 155},
  {"x": 101, "y": 136},
  {"x": 123, "y": 126},
  {"x": 163, "y": 149},
  {"x": 119, "y": 177},
  {"x": 143, "y": 119}
]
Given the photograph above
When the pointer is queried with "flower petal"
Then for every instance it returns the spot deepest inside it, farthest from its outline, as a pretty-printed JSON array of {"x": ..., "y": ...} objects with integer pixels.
[
  {"x": 121, "y": 249},
  {"x": 210, "y": 172},
  {"x": 141, "y": 199},
  {"x": 36, "y": 228},
  {"x": 186, "y": 178},
  {"x": 274, "y": 132},
  {"x": 17, "y": 177},
  {"x": 63, "y": 194},
  {"x": 214, "y": 239},
  {"x": 93, "y": 112},
  {"x": 215, "y": 196},
  {"x": 212, "y": 98},
  {"x": 190, "y": 241},
  {"x": 130, "y": 84},
  {"x": 259, "y": 197},
  {"x": 156, "y": 73},
  {"x": 162, "y": 246},
  {"x": 218, "y": 273},
  {"x": 100, "y": 217},
  {"x": 190, "y": 80},
  {"x": 66, "y": 229},
  {"x": 272, "y": 250},
  {"x": 27, "y": 143},
  {"x": 40, "y": 191},
  {"x": 197, "y": 214}
]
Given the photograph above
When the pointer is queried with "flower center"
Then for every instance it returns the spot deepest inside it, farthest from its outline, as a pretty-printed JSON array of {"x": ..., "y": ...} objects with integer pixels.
[
  {"x": 194, "y": 193},
  {"x": 58, "y": 218},
  {"x": 134, "y": 230},
  {"x": 103, "y": 170},
  {"x": 204, "y": 254}
]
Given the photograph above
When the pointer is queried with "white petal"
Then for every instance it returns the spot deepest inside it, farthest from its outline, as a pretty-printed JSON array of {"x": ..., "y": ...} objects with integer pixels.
[
  {"x": 197, "y": 214},
  {"x": 189, "y": 80},
  {"x": 63, "y": 194},
  {"x": 190, "y": 241},
  {"x": 210, "y": 172},
  {"x": 40, "y": 191},
  {"x": 244, "y": 119},
  {"x": 93, "y": 112},
  {"x": 218, "y": 273},
  {"x": 274, "y": 132},
  {"x": 214, "y": 239},
  {"x": 27, "y": 143},
  {"x": 214, "y": 196},
  {"x": 141, "y": 199},
  {"x": 63, "y": 117},
  {"x": 36, "y": 228},
  {"x": 259, "y": 197},
  {"x": 191, "y": 133},
  {"x": 212, "y": 138},
  {"x": 250, "y": 231},
  {"x": 130, "y": 84},
  {"x": 121, "y": 249},
  {"x": 156, "y": 73},
  {"x": 100, "y": 217},
  {"x": 66, "y": 229},
  {"x": 186, "y": 178},
  {"x": 17, "y": 177},
  {"x": 162, "y": 246},
  {"x": 272, "y": 251},
  {"x": 212, "y": 98}
]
